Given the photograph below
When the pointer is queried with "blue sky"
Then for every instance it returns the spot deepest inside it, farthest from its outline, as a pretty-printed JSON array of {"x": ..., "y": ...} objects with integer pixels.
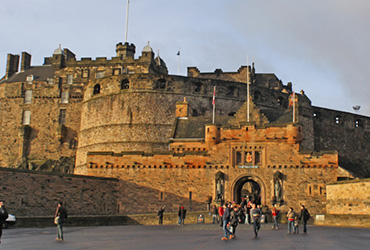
[{"x": 322, "y": 46}]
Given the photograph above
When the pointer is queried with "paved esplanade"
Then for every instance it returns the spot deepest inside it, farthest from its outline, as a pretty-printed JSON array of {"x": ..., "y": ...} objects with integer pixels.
[{"x": 184, "y": 237}]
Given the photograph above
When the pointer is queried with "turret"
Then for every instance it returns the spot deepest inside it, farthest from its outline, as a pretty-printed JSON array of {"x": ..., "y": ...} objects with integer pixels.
[
  {"x": 182, "y": 108},
  {"x": 125, "y": 50},
  {"x": 213, "y": 133},
  {"x": 294, "y": 133}
]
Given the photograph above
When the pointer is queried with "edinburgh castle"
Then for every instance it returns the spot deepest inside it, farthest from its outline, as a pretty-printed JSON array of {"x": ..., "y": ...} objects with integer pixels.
[{"x": 126, "y": 118}]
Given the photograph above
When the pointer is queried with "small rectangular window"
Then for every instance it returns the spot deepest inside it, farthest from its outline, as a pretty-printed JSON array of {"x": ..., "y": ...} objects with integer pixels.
[
  {"x": 190, "y": 195},
  {"x": 65, "y": 97},
  {"x": 50, "y": 81},
  {"x": 28, "y": 96},
  {"x": 85, "y": 73},
  {"x": 238, "y": 158},
  {"x": 257, "y": 157},
  {"x": 69, "y": 79},
  {"x": 62, "y": 116},
  {"x": 99, "y": 74},
  {"x": 26, "y": 120},
  {"x": 116, "y": 72}
]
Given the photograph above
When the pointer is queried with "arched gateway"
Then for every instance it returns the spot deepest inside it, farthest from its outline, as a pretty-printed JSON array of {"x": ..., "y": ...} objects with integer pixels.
[{"x": 249, "y": 185}]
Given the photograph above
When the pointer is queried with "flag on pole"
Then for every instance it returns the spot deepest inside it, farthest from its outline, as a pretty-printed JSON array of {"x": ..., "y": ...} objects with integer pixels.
[{"x": 214, "y": 96}]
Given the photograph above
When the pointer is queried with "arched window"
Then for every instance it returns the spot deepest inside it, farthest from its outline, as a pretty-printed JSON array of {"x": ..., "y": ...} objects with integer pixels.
[
  {"x": 96, "y": 89},
  {"x": 161, "y": 84},
  {"x": 125, "y": 84},
  {"x": 73, "y": 144}
]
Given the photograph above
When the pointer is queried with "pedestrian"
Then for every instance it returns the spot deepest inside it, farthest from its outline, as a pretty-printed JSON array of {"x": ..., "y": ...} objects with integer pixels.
[
  {"x": 304, "y": 217},
  {"x": 215, "y": 215},
  {"x": 225, "y": 221},
  {"x": 256, "y": 217},
  {"x": 60, "y": 217},
  {"x": 179, "y": 215},
  {"x": 248, "y": 210},
  {"x": 160, "y": 215},
  {"x": 234, "y": 220},
  {"x": 3, "y": 217},
  {"x": 182, "y": 215},
  {"x": 290, "y": 216},
  {"x": 221, "y": 213},
  {"x": 296, "y": 225},
  {"x": 275, "y": 217}
]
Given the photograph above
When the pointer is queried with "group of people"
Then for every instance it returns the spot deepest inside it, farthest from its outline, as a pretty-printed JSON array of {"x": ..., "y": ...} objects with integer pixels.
[
  {"x": 181, "y": 215},
  {"x": 233, "y": 214}
]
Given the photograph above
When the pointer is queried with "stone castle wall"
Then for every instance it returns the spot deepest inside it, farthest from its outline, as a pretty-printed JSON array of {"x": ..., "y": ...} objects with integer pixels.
[
  {"x": 347, "y": 133},
  {"x": 348, "y": 197}
]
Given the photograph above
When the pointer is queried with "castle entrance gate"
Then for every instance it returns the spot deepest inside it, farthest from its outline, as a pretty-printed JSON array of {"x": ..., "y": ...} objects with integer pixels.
[{"x": 249, "y": 186}]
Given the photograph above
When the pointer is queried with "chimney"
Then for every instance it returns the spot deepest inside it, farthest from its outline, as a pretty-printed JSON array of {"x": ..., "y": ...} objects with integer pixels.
[
  {"x": 12, "y": 64},
  {"x": 26, "y": 61}
]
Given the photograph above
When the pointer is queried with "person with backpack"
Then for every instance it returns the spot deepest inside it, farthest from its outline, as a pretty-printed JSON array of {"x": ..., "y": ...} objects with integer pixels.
[
  {"x": 3, "y": 217},
  {"x": 60, "y": 217},
  {"x": 304, "y": 217}
]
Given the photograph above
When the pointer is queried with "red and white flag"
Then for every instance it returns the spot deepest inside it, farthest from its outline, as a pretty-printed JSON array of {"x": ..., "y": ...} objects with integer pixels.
[{"x": 214, "y": 96}]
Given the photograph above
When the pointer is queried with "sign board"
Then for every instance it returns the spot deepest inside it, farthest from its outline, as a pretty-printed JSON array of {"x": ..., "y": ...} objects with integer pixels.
[{"x": 248, "y": 166}]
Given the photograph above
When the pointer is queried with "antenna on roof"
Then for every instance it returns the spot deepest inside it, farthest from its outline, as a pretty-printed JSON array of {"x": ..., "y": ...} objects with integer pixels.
[{"x": 128, "y": 1}]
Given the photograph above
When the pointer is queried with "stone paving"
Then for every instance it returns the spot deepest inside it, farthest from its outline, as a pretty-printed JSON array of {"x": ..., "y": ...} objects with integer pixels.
[{"x": 202, "y": 236}]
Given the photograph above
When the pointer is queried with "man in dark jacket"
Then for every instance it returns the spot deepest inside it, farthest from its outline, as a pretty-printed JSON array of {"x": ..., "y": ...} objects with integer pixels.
[
  {"x": 61, "y": 212},
  {"x": 3, "y": 217},
  {"x": 182, "y": 215},
  {"x": 226, "y": 220},
  {"x": 304, "y": 217},
  {"x": 256, "y": 217},
  {"x": 160, "y": 215}
]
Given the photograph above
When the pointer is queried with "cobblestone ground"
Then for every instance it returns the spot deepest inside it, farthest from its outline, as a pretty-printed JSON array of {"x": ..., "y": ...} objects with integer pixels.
[{"x": 200, "y": 236}]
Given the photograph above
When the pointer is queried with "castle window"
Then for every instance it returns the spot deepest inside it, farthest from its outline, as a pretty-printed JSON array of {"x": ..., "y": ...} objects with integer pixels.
[
  {"x": 231, "y": 91},
  {"x": 281, "y": 102},
  {"x": 359, "y": 124},
  {"x": 85, "y": 73},
  {"x": 65, "y": 97},
  {"x": 190, "y": 195},
  {"x": 29, "y": 79},
  {"x": 337, "y": 119},
  {"x": 26, "y": 119},
  {"x": 161, "y": 84},
  {"x": 28, "y": 96},
  {"x": 62, "y": 116},
  {"x": 248, "y": 158},
  {"x": 195, "y": 113},
  {"x": 198, "y": 87},
  {"x": 96, "y": 89},
  {"x": 70, "y": 79},
  {"x": 99, "y": 74},
  {"x": 161, "y": 196},
  {"x": 231, "y": 114},
  {"x": 116, "y": 72},
  {"x": 256, "y": 95},
  {"x": 125, "y": 84}
]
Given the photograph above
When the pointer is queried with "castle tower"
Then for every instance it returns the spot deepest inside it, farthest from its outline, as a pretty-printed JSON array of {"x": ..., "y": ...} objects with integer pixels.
[{"x": 125, "y": 50}]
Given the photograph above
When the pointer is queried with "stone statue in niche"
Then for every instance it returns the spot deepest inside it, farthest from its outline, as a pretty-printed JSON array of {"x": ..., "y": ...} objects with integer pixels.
[
  {"x": 278, "y": 187},
  {"x": 219, "y": 186}
]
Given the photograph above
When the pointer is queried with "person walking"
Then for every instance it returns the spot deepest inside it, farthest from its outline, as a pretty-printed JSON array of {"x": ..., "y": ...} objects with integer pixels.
[
  {"x": 179, "y": 215},
  {"x": 160, "y": 215},
  {"x": 3, "y": 217},
  {"x": 304, "y": 217},
  {"x": 275, "y": 217},
  {"x": 225, "y": 221},
  {"x": 215, "y": 215},
  {"x": 256, "y": 217},
  {"x": 234, "y": 220},
  {"x": 60, "y": 217},
  {"x": 291, "y": 217}
]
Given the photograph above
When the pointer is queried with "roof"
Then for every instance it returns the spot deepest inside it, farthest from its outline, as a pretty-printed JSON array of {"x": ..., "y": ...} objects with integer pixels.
[
  {"x": 194, "y": 127},
  {"x": 40, "y": 73}
]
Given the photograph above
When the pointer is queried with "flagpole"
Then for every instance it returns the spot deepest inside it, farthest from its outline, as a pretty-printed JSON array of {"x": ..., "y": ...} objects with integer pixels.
[
  {"x": 248, "y": 89},
  {"x": 293, "y": 105},
  {"x": 128, "y": 1},
  {"x": 178, "y": 66},
  {"x": 214, "y": 105}
]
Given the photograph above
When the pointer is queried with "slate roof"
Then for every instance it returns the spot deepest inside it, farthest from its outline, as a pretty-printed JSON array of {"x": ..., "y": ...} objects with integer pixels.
[{"x": 40, "y": 73}]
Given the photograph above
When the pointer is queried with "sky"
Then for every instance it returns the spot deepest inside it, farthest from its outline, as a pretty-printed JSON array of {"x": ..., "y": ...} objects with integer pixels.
[{"x": 321, "y": 46}]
